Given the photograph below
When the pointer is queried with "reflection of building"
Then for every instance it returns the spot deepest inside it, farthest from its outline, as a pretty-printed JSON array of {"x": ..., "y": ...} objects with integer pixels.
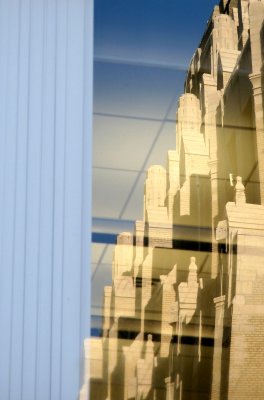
[{"x": 184, "y": 317}]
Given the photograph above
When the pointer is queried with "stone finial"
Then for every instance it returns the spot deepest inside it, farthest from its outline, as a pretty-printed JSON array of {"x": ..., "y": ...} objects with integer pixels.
[
  {"x": 231, "y": 179},
  {"x": 192, "y": 276},
  {"x": 149, "y": 350},
  {"x": 188, "y": 292},
  {"x": 193, "y": 266},
  {"x": 240, "y": 197}
]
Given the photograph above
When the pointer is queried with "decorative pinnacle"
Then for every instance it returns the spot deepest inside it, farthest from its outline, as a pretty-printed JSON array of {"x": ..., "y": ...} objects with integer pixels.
[
  {"x": 193, "y": 266},
  {"x": 231, "y": 180},
  {"x": 240, "y": 197}
]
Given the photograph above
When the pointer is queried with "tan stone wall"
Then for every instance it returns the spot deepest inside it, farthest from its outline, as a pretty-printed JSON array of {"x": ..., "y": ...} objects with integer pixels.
[
  {"x": 247, "y": 350},
  {"x": 247, "y": 355}
]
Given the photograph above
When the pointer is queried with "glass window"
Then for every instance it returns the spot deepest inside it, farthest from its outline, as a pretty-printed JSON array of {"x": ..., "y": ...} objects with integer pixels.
[{"x": 178, "y": 219}]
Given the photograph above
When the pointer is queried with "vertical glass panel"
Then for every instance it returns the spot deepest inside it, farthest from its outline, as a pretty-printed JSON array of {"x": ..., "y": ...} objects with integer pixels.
[{"x": 178, "y": 218}]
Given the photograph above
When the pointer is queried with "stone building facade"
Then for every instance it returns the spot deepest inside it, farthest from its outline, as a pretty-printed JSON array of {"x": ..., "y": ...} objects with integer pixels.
[{"x": 184, "y": 316}]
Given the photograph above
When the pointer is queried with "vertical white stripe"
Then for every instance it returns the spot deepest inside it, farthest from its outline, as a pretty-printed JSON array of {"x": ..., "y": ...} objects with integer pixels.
[
  {"x": 8, "y": 186},
  {"x": 20, "y": 203}
]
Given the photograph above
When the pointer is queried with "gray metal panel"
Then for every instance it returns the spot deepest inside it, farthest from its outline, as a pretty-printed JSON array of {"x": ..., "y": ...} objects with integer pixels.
[{"x": 45, "y": 202}]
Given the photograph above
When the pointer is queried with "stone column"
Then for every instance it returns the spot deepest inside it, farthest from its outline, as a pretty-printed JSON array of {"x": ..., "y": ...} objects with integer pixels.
[
  {"x": 218, "y": 339},
  {"x": 256, "y": 80},
  {"x": 169, "y": 388},
  {"x": 214, "y": 190},
  {"x": 107, "y": 309},
  {"x": 256, "y": 14},
  {"x": 139, "y": 248},
  {"x": 173, "y": 181}
]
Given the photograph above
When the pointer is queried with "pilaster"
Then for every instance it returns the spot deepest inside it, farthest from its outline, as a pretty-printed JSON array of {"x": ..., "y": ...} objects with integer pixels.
[
  {"x": 218, "y": 339},
  {"x": 256, "y": 80}
]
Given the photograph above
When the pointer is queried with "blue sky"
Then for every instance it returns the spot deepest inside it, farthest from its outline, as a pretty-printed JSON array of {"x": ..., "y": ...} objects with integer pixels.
[
  {"x": 165, "y": 31},
  {"x": 142, "y": 49}
]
